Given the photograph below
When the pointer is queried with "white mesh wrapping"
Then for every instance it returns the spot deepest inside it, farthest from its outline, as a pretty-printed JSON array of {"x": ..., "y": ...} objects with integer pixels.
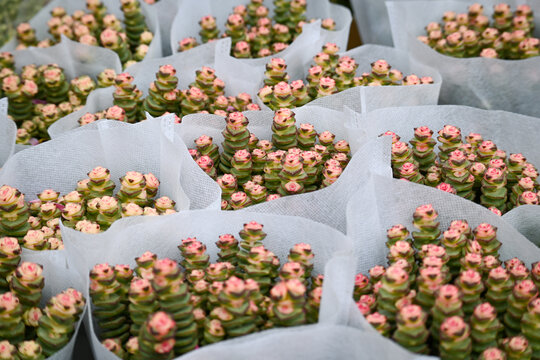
[
  {"x": 510, "y": 85},
  {"x": 39, "y": 22},
  {"x": 186, "y": 22},
  {"x": 327, "y": 205},
  {"x": 8, "y": 133},
  {"x": 511, "y": 132},
  {"x": 57, "y": 279},
  {"x": 150, "y": 146},
  {"x": 125, "y": 241}
]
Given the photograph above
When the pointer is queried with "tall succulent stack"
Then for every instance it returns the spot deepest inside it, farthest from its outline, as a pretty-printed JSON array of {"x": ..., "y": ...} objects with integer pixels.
[
  {"x": 411, "y": 330},
  {"x": 236, "y": 137},
  {"x": 127, "y": 96},
  {"x": 10, "y": 256},
  {"x": 471, "y": 34},
  {"x": 20, "y": 95},
  {"x": 455, "y": 173},
  {"x": 110, "y": 301},
  {"x": 423, "y": 144},
  {"x": 156, "y": 338},
  {"x": 173, "y": 296},
  {"x": 162, "y": 94},
  {"x": 425, "y": 220},
  {"x": 14, "y": 213},
  {"x": 57, "y": 324},
  {"x": 134, "y": 22}
]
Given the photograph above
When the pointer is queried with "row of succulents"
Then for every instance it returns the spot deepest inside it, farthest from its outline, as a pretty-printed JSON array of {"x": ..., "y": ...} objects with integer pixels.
[
  {"x": 163, "y": 308},
  {"x": 448, "y": 293},
  {"x": 40, "y": 95},
  {"x": 252, "y": 32},
  {"x": 28, "y": 331},
  {"x": 470, "y": 34},
  {"x": 129, "y": 38},
  {"x": 330, "y": 74},
  {"x": 204, "y": 95},
  {"x": 91, "y": 208},
  {"x": 250, "y": 171},
  {"x": 475, "y": 169}
]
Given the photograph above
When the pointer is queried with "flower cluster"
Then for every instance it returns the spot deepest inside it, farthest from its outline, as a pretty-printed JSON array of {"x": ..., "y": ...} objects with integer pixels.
[
  {"x": 90, "y": 208},
  {"x": 470, "y": 34},
  {"x": 475, "y": 169},
  {"x": 330, "y": 74},
  {"x": 449, "y": 294},
  {"x": 253, "y": 33},
  {"x": 250, "y": 171},
  {"x": 40, "y": 95},
  {"x": 205, "y": 95},
  {"x": 28, "y": 331},
  {"x": 129, "y": 38},
  {"x": 159, "y": 310}
]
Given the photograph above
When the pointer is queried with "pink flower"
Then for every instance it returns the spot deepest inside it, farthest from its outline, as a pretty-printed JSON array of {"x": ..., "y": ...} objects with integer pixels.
[
  {"x": 453, "y": 326},
  {"x": 282, "y": 89},
  {"x": 28, "y": 271},
  {"x": 396, "y": 274},
  {"x": 160, "y": 325},
  {"x": 109, "y": 37},
  {"x": 8, "y": 301},
  {"x": 447, "y": 188},
  {"x": 9, "y": 246}
]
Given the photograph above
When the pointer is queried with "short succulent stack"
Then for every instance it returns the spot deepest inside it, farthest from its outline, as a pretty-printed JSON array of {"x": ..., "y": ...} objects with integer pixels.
[
  {"x": 470, "y": 34},
  {"x": 205, "y": 95},
  {"x": 90, "y": 208},
  {"x": 251, "y": 171},
  {"x": 96, "y": 27},
  {"x": 159, "y": 309},
  {"x": 28, "y": 331},
  {"x": 474, "y": 169},
  {"x": 253, "y": 33},
  {"x": 330, "y": 74},
  {"x": 40, "y": 95},
  {"x": 449, "y": 294}
]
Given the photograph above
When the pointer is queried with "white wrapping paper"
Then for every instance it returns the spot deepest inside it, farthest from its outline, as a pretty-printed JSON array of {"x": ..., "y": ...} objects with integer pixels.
[
  {"x": 326, "y": 206},
  {"x": 8, "y": 133},
  {"x": 150, "y": 146},
  {"x": 39, "y": 22},
  {"x": 123, "y": 242},
  {"x": 511, "y": 85},
  {"x": 513, "y": 133}
]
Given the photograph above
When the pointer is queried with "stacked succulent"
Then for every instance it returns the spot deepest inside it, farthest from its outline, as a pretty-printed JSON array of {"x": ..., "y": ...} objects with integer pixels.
[
  {"x": 448, "y": 293},
  {"x": 475, "y": 169},
  {"x": 250, "y": 171},
  {"x": 91, "y": 208},
  {"x": 204, "y": 95},
  {"x": 253, "y": 33},
  {"x": 40, "y": 95},
  {"x": 96, "y": 27},
  {"x": 26, "y": 330},
  {"x": 470, "y": 34},
  {"x": 159, "y": 310},
  {"x": 330, "y": 74}
]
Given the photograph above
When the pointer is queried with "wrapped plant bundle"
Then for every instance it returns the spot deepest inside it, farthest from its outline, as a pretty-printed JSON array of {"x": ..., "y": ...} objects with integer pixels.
[
  {"x": 330, "y": 74},
  {"x": 469, "y": 49},
  {"x": 253, "y": 32},
  {"x": 471, "y": 167},
  {"x": 203, "y": 303},
  {"x": 251, "y": 170},
  {"x": 205, "y": 95},
  {"x": 90, "y": 208},
  {"x": 31, "y": 331},
  {"x": 437, "y": 303},
  {"x": 508, "y": 36},
  {"x": 215, "y": 300},
  {"x": 128, "y": 38}
]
